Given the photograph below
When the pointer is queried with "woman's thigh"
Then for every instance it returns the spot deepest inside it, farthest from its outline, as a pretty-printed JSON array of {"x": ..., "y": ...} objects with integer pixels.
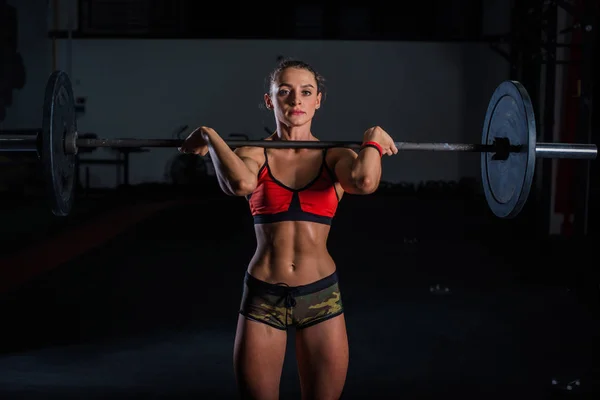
[
  {"x": 258, "y": 357},
  {"x": 322, "y": 354}
]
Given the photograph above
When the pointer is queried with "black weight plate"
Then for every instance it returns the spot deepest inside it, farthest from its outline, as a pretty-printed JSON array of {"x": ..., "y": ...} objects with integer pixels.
[
  {"x": 507, "y": 183},
  {"x": 59, "y": 166}
]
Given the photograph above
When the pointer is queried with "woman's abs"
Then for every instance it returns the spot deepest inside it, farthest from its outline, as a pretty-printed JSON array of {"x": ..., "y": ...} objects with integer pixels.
[{"x": 292, "y": 252}]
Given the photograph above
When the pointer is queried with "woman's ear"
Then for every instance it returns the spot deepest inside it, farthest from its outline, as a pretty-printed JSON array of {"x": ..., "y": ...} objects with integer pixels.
[{"x": 268, "y": 102}]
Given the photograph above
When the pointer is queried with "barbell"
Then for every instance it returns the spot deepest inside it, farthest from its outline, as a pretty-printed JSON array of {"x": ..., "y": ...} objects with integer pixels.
[{"x": 508, "y": 147}]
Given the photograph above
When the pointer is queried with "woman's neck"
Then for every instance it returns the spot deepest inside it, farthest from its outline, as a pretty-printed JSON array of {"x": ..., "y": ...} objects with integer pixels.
[{"x": 295, "y": 133}]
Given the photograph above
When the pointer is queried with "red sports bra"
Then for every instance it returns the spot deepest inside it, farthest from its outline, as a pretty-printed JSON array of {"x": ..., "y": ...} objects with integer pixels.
[{"x": 272, "y": 201}]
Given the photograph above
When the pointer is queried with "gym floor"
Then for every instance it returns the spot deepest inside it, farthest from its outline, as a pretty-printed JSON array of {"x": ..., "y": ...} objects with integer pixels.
[{"x": 136, "y": 296}]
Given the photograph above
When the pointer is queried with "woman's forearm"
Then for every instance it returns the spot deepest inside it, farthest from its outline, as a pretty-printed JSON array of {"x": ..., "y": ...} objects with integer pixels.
[{"x": 233, "y": 174}]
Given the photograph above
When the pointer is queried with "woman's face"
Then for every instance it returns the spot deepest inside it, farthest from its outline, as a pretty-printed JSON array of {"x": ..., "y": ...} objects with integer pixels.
[{"x": 294, "y": 97}]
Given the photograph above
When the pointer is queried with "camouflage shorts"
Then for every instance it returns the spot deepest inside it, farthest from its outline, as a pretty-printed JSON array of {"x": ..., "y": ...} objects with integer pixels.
[{"x": 282, "y": 306}]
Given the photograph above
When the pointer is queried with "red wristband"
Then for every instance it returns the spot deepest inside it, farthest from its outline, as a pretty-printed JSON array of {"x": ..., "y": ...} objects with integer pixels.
[{"x": 374, "y": 145}]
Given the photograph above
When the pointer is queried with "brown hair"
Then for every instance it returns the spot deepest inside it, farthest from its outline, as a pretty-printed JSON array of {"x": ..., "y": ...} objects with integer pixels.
[{"x": 285, "y": 63}]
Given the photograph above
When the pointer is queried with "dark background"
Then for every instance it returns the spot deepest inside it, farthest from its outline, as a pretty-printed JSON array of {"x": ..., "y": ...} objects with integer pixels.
[{"x": 135, "y": 293}]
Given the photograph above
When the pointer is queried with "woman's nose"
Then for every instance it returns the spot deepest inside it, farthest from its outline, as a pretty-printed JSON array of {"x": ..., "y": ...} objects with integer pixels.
[{"x": 295, "y": 100}]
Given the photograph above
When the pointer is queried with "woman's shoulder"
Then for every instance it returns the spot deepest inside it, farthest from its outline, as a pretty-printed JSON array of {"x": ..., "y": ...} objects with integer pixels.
[
  {"x": 336, "y": 153},
  {"x": 255, "y": 153}
]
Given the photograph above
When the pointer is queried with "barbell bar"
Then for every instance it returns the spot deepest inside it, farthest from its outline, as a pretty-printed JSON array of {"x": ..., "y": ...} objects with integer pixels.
[
  {"x": 508, "y": 148},
  {"x": 15, "y": 142}
]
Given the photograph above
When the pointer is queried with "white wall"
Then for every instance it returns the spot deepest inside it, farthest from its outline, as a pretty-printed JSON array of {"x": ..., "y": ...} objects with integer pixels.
[{"x": 146, "y": 88}]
